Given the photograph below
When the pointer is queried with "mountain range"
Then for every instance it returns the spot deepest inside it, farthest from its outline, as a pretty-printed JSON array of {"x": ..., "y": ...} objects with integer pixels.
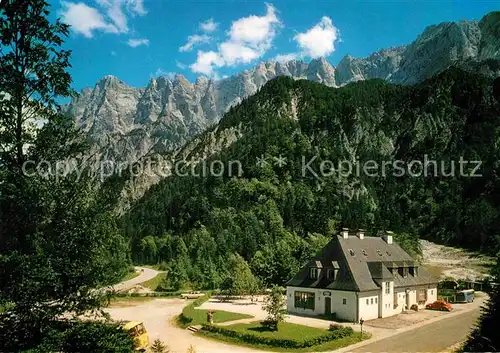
[{"x": 125, "y": 123}]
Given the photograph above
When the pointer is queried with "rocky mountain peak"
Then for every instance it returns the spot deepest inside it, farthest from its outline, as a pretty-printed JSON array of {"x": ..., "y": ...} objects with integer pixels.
[{"x": 169, "y": 111}]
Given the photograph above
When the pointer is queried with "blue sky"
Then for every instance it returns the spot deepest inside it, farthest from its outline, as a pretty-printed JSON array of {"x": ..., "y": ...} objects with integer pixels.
[{"x": 137, "y": 39}]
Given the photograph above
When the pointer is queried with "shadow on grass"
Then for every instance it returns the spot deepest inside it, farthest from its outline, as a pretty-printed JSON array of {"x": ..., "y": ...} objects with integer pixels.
[{"x": 261, "y": 329}]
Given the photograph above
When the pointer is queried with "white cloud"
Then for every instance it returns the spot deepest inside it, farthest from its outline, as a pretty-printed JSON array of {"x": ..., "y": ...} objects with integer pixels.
[
  {"x": 193, "y": 41},
  {"x": 180, "y": 65},
  {"x": 85, "y": 19},
  {"x": 111, "y": 16},
  {"x": 137, "y": 42},
  {"x": 208, "y": 26},
  {"x": 235, "y": 52},
  {"x": 255, "y": 30},
  {"x": 249, "y": 38},
  {"x": 319, "y": 40},
  {"x": 206, "y": 62},
  {"x": 136, "y": 7},
  {"x": 286, "y": 57},
  {"x": 160, "y": 72}
]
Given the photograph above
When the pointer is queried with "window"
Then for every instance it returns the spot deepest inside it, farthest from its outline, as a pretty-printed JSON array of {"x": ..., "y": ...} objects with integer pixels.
[
  {"x": 432, "y": 291},
  {"x": 344, "y": 301},
  {"x": 367, "y": 301},
  {"x": 313, "y": 272},
  {"x": 387, "y": 287},
  {"x": 364, "y": 252},
  {"x": 330, "y": 273},
  {"x": 304, "y": 300},
  {"x": 376, "y": 300},
  {"x": 371, "y": 301},
  {"x": 351, "y": 252}
]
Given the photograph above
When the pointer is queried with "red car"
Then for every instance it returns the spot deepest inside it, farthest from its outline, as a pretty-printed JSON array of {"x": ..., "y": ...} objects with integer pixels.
[{"x": 439, "y": 305}]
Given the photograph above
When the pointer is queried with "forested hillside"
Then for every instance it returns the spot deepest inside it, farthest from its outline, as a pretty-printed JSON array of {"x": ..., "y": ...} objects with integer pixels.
[{"x": 275, "y": 215}]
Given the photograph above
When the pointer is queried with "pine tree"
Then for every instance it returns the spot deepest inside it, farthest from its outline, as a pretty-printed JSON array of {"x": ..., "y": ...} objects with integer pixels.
[{"x": 159, "y": 347}]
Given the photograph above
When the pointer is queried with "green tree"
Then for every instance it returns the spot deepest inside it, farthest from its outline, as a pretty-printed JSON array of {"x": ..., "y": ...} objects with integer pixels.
[
  {"x": 241, "y": 279},
  {"x": 159, "y": 347},
  {"x": 274, "y": 306},
  {"x": 485, "y": 338},
  {"x": 59, "y": 239}
]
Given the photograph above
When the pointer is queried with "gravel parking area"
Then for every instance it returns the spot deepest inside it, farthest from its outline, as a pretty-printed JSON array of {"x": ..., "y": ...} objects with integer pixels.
[{"x": 414, "y": 317}]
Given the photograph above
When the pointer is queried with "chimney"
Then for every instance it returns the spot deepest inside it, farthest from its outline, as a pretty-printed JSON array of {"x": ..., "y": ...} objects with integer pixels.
[
  {"x": 345, "y": 233},
  {"x": 361, "y": 233},
  {"x": 388, "y": 237}
]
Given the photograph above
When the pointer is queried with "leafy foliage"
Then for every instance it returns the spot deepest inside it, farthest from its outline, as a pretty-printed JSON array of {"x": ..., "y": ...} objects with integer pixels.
[
  {"x": 240, "y": 279},
  {"x": 274, "y": 306},
  {"x": 72, "y": 336},
  {"x": 484, "y": 338},
  {"x": 59, "y": 239}
]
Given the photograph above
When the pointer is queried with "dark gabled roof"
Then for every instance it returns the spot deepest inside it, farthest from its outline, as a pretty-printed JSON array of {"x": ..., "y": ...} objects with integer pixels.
[
  {"x": 422, "y": 278},
  {"x": 379, "y": 271},
  {"x": 363, "y": 265}
]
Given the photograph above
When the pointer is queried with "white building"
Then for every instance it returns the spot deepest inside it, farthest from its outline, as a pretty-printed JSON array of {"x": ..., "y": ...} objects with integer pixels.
[{"x": 356, "y": 277}]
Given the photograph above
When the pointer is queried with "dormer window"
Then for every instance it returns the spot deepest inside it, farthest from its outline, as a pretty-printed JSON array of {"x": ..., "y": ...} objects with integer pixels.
[
  {"x": 313, "y": 272},
  {"x": 330, "y": 274}
]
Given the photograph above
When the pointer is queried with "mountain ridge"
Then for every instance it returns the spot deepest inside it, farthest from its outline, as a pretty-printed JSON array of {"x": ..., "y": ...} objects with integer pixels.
[{"x": 125, "y": 123}]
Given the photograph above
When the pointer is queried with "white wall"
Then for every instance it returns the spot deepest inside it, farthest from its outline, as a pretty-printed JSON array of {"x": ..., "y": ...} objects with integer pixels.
[
  {"x": 348, "y": 311},
  {"x": 319, "y": 305},
  {"x": 343, "y": 311},
  {"x": 431, "y": 295},
  {"x": 400, "y": 300},
  {"x": 386, "y": 304},
  {"x": 369, "y": 305}
]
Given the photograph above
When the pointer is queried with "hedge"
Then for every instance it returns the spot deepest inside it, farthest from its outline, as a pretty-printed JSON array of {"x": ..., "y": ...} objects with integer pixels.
[
  {"x": 185, "y": 317},
  {"x": 279, "y": 342}
]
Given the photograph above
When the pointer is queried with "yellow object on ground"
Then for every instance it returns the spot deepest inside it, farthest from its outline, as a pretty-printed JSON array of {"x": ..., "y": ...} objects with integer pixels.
[{"x": 138, "y": 332}]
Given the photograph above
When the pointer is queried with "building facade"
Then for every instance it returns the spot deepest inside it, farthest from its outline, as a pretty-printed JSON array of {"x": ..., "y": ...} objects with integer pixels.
[{"x": 356, "y": 277}]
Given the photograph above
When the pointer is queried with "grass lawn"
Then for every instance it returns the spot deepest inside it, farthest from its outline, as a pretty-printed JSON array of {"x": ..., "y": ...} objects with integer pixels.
[
  {"x": 192, "y": 316},
  {"x": 154, "y": 282},
  {"x": 285, "y": 331},
  {"x": 199, "y": 316}
]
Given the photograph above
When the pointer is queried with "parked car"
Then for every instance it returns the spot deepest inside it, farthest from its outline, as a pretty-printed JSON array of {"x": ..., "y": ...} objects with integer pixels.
[{"x": 439, "y": 305}]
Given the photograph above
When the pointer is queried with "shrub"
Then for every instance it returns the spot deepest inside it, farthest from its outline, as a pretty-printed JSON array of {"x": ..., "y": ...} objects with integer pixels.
[
  {"x": 279, "y": 342},
  {"x": 185, "y": 318},
  {"x": 70, "y": 336},
  {"x": 159, "y": 347},
  {"x": 335, "y": 327}
]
